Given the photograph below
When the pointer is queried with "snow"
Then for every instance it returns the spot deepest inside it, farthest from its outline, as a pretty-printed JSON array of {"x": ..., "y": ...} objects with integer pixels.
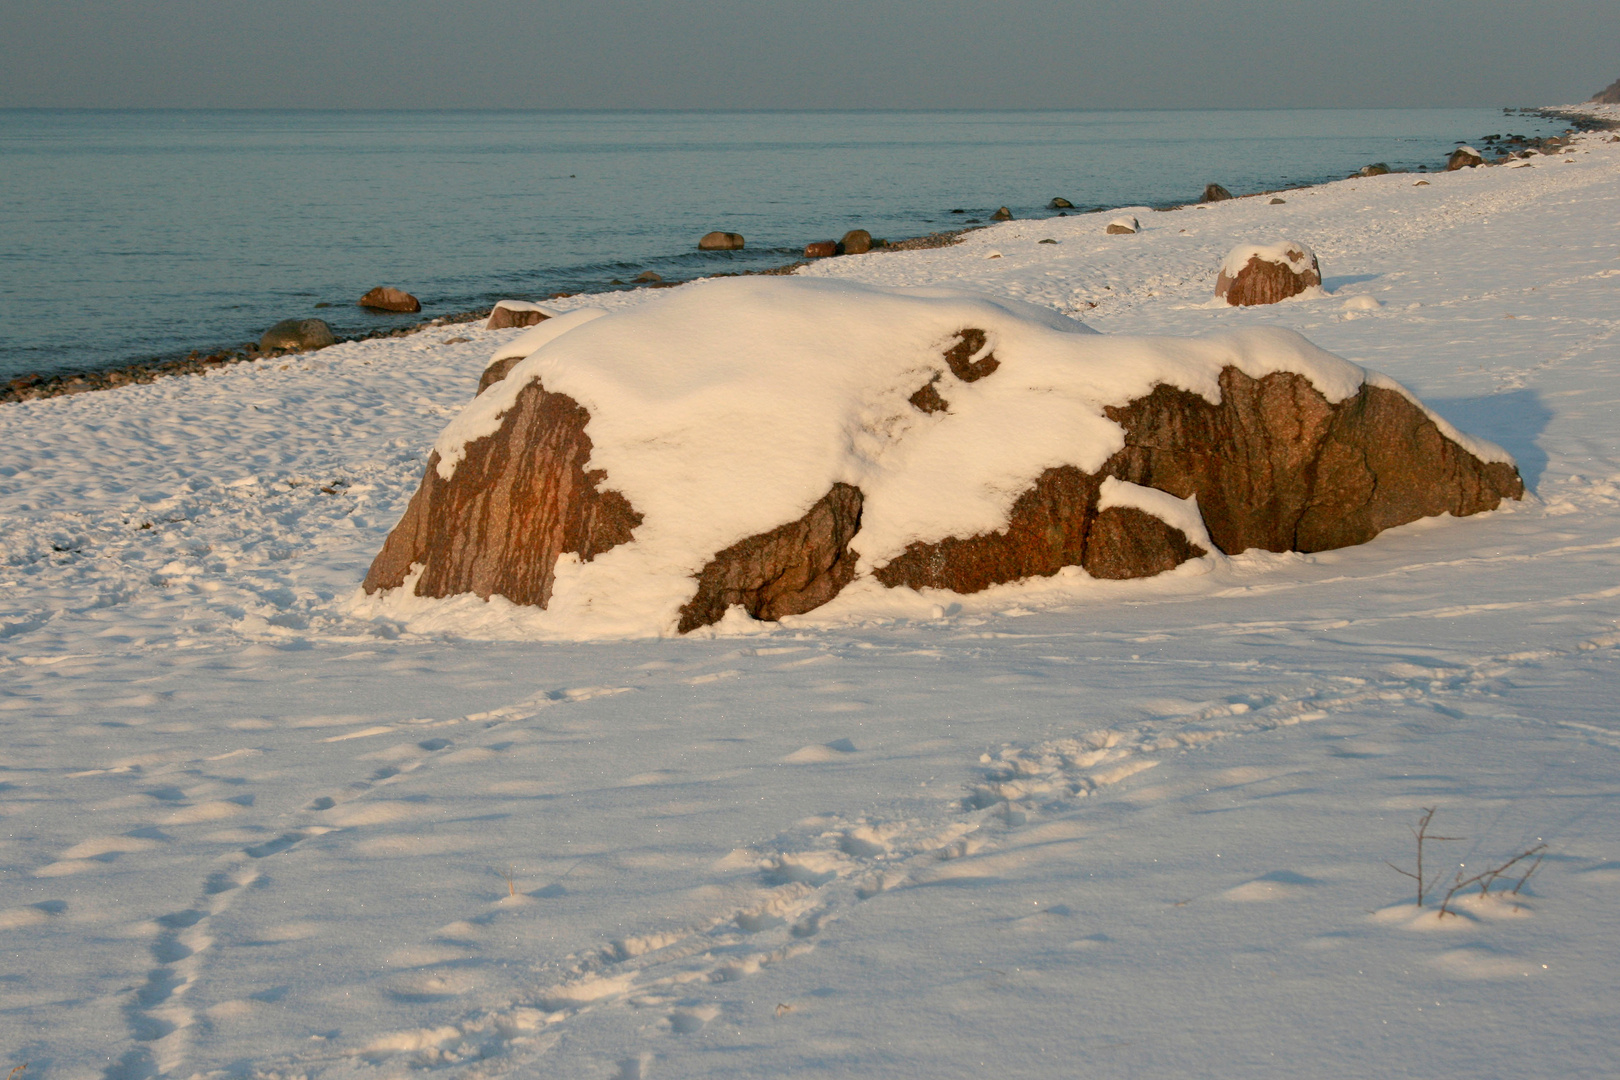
[
  {"x": 1290, "y": 253},
  {"x": 1132, "y": 829}
]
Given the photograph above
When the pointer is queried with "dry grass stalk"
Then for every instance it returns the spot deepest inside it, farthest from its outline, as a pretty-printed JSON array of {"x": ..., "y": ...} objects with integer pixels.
[
  {"x": 1421, "y": 832},
  {"x": 1490, "y": 877}
]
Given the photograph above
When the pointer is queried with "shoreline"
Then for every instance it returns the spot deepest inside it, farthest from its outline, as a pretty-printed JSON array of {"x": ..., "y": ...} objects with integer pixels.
[{"x": 36, "y": 387}]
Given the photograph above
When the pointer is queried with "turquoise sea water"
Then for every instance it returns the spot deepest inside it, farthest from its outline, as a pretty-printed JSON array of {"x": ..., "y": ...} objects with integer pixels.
[{"x": 132, "y": 235}]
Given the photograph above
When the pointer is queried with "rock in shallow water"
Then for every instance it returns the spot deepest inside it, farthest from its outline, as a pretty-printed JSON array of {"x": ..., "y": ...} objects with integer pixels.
[
  {"x": 297, "y": 334},
  {"x": 388, "y": 298}
]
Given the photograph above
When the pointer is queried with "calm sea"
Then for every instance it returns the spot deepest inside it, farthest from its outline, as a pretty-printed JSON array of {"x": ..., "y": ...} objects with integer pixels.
[{"x": 132, "y": 235}]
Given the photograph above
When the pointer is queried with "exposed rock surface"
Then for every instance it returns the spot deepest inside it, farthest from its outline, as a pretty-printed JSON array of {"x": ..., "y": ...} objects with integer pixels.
[
  {"x": 1610, "y": 95},
  {"x": 388, "y": 298},
  {"x": 1215, "y": 193},
  {"x": 505, "y": 316},
  {"x": 792, "y": 569},
  {"x": 297, "y": 334},
  {"x": 517, "y": 502},
  {"x": 1268, "y": 274},
  {"x": 1274, "y": 466},
  {"x": 497, "y": 371},
  {"x": 721, "y": 241}
]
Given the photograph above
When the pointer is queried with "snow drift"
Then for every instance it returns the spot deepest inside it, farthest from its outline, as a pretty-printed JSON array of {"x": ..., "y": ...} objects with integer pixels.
[{"x": 764, "y": 443}]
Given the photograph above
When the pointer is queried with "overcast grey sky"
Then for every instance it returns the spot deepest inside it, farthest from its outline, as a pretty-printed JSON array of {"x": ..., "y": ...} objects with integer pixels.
[{"x": 813, "y": 54}]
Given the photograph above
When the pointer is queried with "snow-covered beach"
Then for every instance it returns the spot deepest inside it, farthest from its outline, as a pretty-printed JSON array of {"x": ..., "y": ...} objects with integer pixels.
[{"x": 254, "y": 827}]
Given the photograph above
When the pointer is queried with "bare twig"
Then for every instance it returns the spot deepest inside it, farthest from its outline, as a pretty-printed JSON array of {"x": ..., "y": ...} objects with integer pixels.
[
  {"x": 509, "y": 875},
  {"x": 1485, "y": 879},
  {"x": 1421, "y": 832},
  {"x": 17, "y": 1070}
]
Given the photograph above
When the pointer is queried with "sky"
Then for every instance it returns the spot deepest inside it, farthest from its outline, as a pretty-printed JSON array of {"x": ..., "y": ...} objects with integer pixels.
[{"x": 804, "y": 54}]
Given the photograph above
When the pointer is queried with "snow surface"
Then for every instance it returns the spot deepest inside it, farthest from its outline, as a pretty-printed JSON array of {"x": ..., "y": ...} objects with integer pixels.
[{"x": 1119, "y": 829}]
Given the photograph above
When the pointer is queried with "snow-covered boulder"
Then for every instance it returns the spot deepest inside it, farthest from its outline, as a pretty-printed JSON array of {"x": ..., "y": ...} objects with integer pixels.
[
  {"x": 1267, "y": 273},
  {"x": 1123, "y": 226},
  {"x": 388, "y": 298},
  {"x": 1464, "y": 157},
  {"x": 768, "y": 443},
  {"x": 509, "y": 313}
]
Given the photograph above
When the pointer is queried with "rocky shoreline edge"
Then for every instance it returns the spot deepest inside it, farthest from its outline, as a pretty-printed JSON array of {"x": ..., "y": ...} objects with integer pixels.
[{"x": 33, "y": 387}]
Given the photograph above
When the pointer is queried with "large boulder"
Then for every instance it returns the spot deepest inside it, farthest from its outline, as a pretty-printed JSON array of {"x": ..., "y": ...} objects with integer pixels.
[
  {"x": 1267, "y": 273},
  {"x": 1123, "y": 226},
  {"x": 721, "y": 241},
  {"x": 657, "y": 469},
  {"x": 821, "y": 249},
  {"x": 1464, "y": 157},
  {"x": 1215, "y": 193},
  {"x": 512, "y": 313},
  {"x": 388, "y": 298},
  {"x": 297, "y": 334}
]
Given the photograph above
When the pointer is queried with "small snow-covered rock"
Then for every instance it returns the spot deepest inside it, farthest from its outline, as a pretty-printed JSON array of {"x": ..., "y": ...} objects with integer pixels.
[
  {"x": 1362, "y": 303},
  {"x": 510, "y": 313},
  {"x": 1266, "y": 273},
  {"x": 388, "y": 298},
  {"x": 1121, "y": 226}
]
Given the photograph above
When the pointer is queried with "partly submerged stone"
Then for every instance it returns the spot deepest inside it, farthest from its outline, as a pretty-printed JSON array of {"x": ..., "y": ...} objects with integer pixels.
[
  {"x": 721, "y": 241},
  {"x": 855, "y": 242},
  {"x": 388, "y": 298},
  {"x": 297, "y": 334},
  {"x": 1267, "y": 273}
]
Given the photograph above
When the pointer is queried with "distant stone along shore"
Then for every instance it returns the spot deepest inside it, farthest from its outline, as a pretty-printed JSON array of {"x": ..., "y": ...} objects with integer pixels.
[{"x": 1498, "y": 150}]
